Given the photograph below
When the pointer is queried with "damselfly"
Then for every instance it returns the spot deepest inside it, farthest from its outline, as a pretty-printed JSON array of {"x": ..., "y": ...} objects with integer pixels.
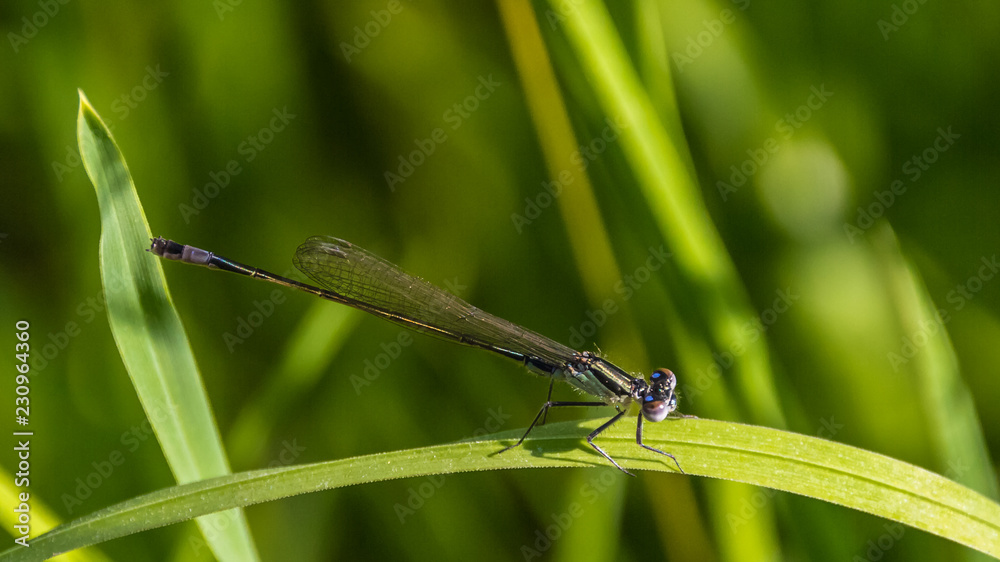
[{"x": 355, "y": 277}]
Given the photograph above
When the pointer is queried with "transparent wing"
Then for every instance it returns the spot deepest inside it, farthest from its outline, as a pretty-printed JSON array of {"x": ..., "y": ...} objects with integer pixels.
[{"x": 370, "y": 283}]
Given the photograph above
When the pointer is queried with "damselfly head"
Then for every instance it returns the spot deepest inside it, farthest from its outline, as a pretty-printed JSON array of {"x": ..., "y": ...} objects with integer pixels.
[{"x": 659, "y": 400}]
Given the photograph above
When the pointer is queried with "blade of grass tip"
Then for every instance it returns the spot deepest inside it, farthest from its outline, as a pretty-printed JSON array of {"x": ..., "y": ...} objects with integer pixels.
[
  {"x": 761, "y": 456},
  {"x": 675, "y": 202},
  {"x": 150, "y": 338},
  {"x": 953, "y": 419}
]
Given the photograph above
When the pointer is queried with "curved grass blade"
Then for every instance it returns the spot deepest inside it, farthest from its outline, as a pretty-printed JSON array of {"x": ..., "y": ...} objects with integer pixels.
[
  {"x": 150, "y": 337},
  {"x": 761, "y": 456}
]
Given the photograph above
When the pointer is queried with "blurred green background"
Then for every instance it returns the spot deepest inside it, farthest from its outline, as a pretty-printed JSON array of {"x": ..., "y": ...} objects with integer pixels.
[{"x": 846, "y": 154}]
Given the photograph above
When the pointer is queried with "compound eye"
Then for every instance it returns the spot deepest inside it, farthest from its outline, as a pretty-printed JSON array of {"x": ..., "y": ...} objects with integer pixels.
[
  {"x": 655, "y": 410},
  {"x": 663, "y": 378}
]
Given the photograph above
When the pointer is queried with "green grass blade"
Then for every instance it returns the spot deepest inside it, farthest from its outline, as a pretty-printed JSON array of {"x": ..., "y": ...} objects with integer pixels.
[
  {"x": 761, "y": 456},
  {"x": 661, "y": 165},
  {"x": 953, "y": 420},
  {"x": 150, "y": 337},
  {"x": 582, "y": 218}
]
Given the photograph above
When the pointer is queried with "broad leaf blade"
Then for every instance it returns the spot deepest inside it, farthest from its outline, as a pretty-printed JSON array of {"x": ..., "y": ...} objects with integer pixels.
[{"x": 150, "y": 336}]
